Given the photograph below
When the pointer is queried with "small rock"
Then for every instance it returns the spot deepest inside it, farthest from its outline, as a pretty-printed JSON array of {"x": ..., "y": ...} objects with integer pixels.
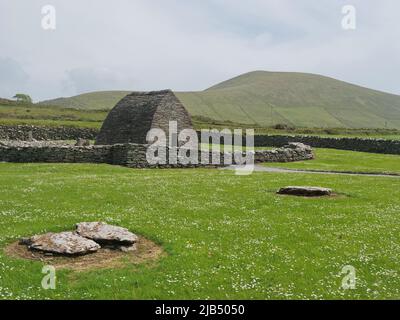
[
  {"x": 306, "y": 191},
  {"x": 67, "y": 243},
  {"x": 82, "y": 142},
  {"x": 25, "y": 241},
  {"x": 128, "y": 248},
  {"x": 106, "y": 234},
  {"x": 298, "y": 145}
]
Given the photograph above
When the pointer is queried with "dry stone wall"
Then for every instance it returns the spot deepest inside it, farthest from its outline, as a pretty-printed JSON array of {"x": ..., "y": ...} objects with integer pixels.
[
  {"x": 23, "y": 132},
  {"x": 41, "y": 133},
  {"x": 383, "y": 146},
  {"x": 55, "y": 154},
  {"x": 353, "y": 144},
  {"x": 130, "y": 155},
  {"x": 289, "y": 153}
]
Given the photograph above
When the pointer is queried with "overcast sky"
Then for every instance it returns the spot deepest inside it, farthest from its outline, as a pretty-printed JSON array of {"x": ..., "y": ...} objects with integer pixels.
[{"x": 191, "y": 44}]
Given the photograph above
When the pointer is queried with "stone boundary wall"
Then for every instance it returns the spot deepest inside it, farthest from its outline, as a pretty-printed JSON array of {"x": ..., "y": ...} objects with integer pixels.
[
  {"x": 353, "y": 144},
  {"x": 22, "y": 132},
  {"x": 288, "y": 153},
  {"x": 131, "y": 155},
  {"x": 55, "y": 154}
]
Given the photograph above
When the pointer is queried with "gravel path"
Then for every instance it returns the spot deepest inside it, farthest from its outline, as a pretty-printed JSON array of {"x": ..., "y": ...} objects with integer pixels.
[{"x": 259, "y": 168}]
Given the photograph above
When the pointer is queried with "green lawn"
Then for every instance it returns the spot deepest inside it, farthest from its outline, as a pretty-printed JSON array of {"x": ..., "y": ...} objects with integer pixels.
[
  {"x": 227, "y": 236},
  {"x": 339, "y": 160}
]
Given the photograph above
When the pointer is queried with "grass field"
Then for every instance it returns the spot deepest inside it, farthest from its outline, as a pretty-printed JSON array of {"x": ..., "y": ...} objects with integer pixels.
[
  {"x": 51, "y": 123},
  {"x": 50, "y": 115},
  {"x": 15, "y": 114},
  {"x": 339, "y": 160},
  {"x": 226, "y": 236}
]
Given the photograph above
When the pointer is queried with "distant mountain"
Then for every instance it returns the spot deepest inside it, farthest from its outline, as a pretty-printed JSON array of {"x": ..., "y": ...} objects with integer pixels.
[{"x": 270, "y": 98}]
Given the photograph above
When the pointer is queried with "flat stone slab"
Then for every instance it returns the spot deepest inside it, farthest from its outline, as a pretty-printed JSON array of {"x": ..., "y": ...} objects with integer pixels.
[
  {"x": 65, "y": 243},
  {"x": 106, "y": 234},
  {"x": 306, "y": 191}
]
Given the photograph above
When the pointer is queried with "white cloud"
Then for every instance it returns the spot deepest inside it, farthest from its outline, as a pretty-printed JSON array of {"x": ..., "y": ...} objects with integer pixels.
[
  {"x": 191, "y": 45},
  {"x": 13, "y": 79},
  {"x": 80, "y": 80}
]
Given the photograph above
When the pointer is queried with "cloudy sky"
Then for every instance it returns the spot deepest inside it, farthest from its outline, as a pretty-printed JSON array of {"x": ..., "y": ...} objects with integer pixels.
[{"x": 191, "y": 44}]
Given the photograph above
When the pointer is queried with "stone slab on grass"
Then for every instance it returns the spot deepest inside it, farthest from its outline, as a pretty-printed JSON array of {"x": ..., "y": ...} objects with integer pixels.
[
  {"x": 305, "y": 191},
  {"x": 106, "y": 234},
  {"x": 65, "y": 243}
]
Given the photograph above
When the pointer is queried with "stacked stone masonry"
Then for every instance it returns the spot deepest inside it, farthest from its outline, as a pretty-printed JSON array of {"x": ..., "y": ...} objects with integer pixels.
[
  {"x": 383, "y": 146},
  {"x": 70, "y": 133},
  {"x": 136, "y": 114},
  {"x": 25, "y": 132},
  {"x": 352, "y": 144},
  {"x": 131, "y": 155}
]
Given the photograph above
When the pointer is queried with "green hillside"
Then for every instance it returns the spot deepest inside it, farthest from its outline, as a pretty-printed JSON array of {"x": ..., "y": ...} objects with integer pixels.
[
  {"x": 298, "y": 99},
  {"x": 100, "y": 100},
  {"x": 265, "y": 98}
]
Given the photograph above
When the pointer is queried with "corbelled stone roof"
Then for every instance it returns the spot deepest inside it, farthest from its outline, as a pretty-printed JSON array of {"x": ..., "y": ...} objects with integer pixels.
[{"x": 131, "y": 119}]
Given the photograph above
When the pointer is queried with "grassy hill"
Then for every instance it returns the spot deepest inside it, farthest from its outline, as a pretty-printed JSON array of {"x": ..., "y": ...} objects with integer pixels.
[
  {"x": 298, "y": 99},
  {"x": 265, "y": 99},
  {"x": 100, "y": 100}
]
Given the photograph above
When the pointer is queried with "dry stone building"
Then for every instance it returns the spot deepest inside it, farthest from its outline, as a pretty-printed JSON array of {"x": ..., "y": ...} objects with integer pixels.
[{"x": 139, "y": 112}]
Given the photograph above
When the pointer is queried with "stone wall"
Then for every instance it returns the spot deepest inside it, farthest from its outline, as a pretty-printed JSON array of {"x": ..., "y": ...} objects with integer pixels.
[
  {"x": 353, "y": 144},
  {"x": 22, "y": 132},
  {"x": 289, "y": 153},
  {"x": 384, "y": 146},
  {"x": 130, "y": 155},
  {"x": 55, "y": 154}
]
